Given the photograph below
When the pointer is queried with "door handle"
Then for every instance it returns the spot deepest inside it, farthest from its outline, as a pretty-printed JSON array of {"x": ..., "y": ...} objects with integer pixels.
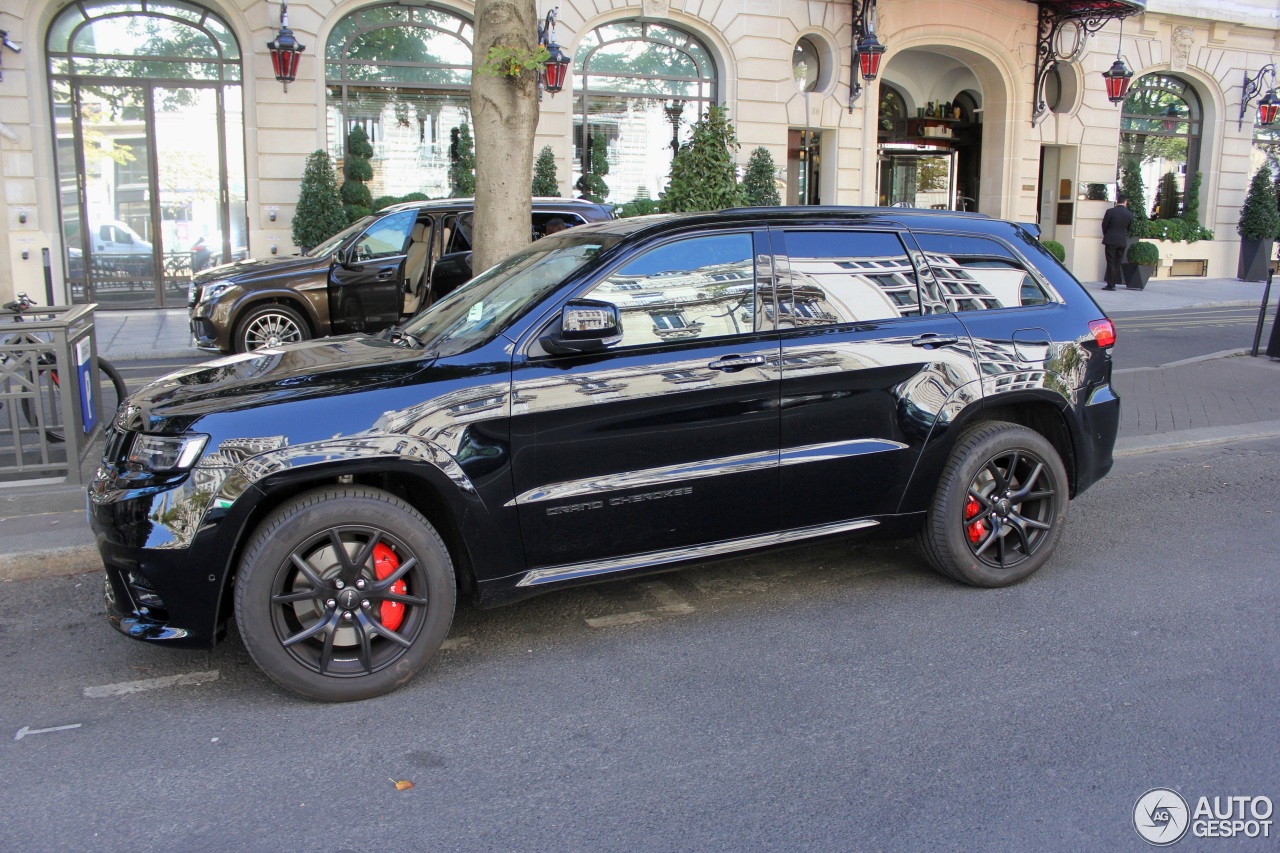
[
  {"x": 934, "y": 340},
  {"x": 384, "y": 275},
  {"x": 731, "y": 363}
]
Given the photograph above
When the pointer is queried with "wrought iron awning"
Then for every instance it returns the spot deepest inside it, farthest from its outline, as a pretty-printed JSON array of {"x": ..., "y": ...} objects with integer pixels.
[{"x": 1064, "y": 28}]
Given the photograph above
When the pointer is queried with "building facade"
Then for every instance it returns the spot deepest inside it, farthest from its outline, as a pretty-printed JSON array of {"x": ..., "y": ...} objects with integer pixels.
[{"x": 141, "y": 140}]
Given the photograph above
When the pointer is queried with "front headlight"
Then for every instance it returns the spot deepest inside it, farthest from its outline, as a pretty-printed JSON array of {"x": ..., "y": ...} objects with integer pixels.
[
  {"x": 162, "y": 453},
  {"x": 213, "y": 291}
]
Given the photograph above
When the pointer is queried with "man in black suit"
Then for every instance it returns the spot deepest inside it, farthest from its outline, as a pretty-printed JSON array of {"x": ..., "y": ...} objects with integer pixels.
[{"x": 1115, "y": 238}]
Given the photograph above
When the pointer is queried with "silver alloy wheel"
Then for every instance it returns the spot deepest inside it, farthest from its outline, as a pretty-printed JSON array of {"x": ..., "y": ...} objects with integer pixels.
[{"x": 271, "y": 329}]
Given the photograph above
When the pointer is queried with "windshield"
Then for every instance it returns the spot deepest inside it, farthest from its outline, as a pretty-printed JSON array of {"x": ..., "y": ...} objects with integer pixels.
[
  {"x": 483, "y": 307},
  {"x": 327, "y": 247}
]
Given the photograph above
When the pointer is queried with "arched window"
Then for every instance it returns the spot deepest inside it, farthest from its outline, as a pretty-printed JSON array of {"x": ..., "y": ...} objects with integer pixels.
[
  {"x": 403, "y": 73},
  {"x": 1160, "y": 129},
  {"x": 149, "y": 142},
  {"x": 639, "y": 86}
]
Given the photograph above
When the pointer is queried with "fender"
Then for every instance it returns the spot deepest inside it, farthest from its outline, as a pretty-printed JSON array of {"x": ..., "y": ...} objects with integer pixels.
[
  {"x": 316, "y": 315},
  {"x": 943, "y": 435}
]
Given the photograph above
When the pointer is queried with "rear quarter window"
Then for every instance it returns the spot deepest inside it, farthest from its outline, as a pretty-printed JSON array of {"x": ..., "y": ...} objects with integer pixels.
[{"x": 979, "y": 273}]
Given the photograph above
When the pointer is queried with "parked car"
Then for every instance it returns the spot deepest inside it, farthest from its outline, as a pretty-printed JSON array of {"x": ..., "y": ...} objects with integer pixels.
[
  {"x": 621, "y": 398},
  {"x": 367, "y": 277}
]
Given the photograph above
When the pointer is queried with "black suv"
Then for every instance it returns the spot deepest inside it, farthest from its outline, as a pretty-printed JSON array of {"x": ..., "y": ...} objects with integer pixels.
[
  {"x": 619, "y": 398},
  {"x": 369, "y": 276}
]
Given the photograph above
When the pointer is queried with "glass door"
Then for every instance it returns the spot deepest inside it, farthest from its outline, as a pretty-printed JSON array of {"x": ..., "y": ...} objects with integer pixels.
[{"x": 918, "y": 179}]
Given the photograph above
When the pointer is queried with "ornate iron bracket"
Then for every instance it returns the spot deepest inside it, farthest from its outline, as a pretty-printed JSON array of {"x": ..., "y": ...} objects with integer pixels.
[
  {"x": 1251, "y": 87},
  {"x": 862, "y": 14},
  {"x": 1078, "y": 19}
]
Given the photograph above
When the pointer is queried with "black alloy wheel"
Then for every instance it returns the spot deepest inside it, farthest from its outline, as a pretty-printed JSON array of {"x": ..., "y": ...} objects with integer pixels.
[
  {"x": 1000, "y": 506},
  {"x": 344, "y": 593}
]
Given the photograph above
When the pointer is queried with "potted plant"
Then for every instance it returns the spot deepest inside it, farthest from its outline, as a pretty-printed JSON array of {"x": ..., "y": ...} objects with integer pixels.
[
  {"x": 1140, "y": 263},
  {"x": 1259, "y": 222},
  {"x": 1056, "y": 249}
]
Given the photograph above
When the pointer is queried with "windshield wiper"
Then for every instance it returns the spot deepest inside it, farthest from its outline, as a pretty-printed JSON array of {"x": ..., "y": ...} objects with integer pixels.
[{"x": 397, "y": 336}]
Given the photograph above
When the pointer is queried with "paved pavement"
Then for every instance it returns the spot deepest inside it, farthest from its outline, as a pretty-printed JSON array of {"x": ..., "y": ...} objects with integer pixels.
[{"x": 1216, "y": 399}]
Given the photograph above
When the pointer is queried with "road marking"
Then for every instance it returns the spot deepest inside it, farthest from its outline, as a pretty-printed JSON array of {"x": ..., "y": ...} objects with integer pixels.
[
  {"x": 125, "y": 687},
  {"x": 24, "y": 731},
  {"x": 669, "y": 601},
  {"x": 619, "y": 619}
]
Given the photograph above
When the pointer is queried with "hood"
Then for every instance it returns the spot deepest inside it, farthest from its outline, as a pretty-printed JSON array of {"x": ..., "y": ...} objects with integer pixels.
[
  {"x": 255, "y": 267},
  {"x": 321, "y": 368}
]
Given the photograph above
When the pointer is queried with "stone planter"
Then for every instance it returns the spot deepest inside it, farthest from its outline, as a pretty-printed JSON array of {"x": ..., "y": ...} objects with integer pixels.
[
  {"x": 1136, "y": 275},
  {"x": 1255, "y": 257}
]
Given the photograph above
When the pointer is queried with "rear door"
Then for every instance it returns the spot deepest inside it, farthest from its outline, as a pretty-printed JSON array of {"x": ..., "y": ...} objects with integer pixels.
[
  {"x": 865, "y": 373},
  {"x": 365, "y": 293},
  {"x": 669, "y": 439}
]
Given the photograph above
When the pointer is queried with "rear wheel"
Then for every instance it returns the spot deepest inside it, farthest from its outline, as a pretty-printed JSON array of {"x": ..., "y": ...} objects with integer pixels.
[
  {"x": 269, "y": 326},
  {"x": 344, "y": 593},
  {"x": 1000, "y": 506}
]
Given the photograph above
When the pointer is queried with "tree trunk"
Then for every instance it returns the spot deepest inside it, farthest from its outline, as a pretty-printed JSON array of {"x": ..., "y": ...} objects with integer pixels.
[{"x": 504, "y": 111}]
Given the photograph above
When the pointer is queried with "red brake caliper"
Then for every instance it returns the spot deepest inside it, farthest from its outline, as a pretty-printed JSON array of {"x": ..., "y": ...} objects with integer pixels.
[
  {"x": 976, "y": 530},
  {"x": 385, "y": 562}
]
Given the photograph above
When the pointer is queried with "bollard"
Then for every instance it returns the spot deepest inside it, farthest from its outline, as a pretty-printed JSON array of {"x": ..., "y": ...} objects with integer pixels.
[{"x": 1262, "y": 318}]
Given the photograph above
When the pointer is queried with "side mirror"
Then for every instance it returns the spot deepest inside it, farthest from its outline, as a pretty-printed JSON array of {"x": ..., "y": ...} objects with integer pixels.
[
  {"x": 586, "y": 325},
  {"x": 344, "y": 257}
]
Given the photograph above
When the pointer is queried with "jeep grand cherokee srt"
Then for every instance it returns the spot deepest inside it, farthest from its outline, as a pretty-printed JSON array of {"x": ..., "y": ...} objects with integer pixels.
[{"x": 617, "y": 399}]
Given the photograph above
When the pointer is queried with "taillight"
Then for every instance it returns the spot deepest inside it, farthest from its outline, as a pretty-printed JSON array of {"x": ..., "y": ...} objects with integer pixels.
[{"x": 1104, "y": 332}]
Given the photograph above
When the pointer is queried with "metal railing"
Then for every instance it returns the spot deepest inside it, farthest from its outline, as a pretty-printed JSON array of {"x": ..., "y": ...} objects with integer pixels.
[{"x": 50, "y": 413}]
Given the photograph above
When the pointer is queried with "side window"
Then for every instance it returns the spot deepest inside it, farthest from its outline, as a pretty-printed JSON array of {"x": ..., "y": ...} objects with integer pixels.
[
  {"x": 979, "y": 274},
  {"x": 388, "y": 236},
  {"x": 701, "y": 287},
  {"x": 846, "y": 277}
]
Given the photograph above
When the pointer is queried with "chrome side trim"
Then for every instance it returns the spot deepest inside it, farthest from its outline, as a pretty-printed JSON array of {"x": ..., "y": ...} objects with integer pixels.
[
  {"x": 680, "y": 555},
  {"x": 740, "y": 464}
]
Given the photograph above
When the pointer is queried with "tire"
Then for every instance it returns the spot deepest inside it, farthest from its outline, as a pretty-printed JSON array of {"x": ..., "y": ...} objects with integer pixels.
[
  {"x": 300, "y": 601},
  {"x": 269, "y": 325},
  {"x": 992, "y": 540}
]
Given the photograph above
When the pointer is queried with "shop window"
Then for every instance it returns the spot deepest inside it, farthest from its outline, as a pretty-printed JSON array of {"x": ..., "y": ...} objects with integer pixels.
[{"x": 1160, "y": 130}]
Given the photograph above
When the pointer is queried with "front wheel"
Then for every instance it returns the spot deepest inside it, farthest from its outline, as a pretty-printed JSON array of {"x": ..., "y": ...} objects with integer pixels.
[
  {"x": 344, "y": 593},
  {"x": 269, "y": 326},
  {"x": 1000, "y": 506}
]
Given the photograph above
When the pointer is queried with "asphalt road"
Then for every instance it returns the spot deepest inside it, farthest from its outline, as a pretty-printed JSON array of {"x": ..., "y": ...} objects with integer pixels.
[
  {"x": 836, "y": 697},
  {"x": 1153, "y": 338}
]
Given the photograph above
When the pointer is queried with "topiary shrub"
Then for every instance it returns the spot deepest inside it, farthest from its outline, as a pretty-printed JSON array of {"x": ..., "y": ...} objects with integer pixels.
[
  {"x": 759, "y": 186},
  {"x": 462, "y": 162},
  {"x": 1143, "y": 254},
  {"x": 356, "y": 198},
  {"x": 1168, "y": 198},
  {"x": 319, "y": 214},
  {"x": 545, "y": 182},
  {"x": 1056, "y": 249},
  {"x": 636, "y": 207},
  {"x": 1131, "y": 187},
  {"x": 1191, "y": 200},
  {"x": 591, "y": 184},
  {"x": 703, "y": 173},
  {"x": 1259, "y": 218}
]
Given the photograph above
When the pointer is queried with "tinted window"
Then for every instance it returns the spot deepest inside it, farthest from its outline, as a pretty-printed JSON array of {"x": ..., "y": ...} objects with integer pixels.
[
  {"x": 976, "y": 274},
  {"x": 388, "y": 236},
  {"x": 846, "y": 277},
  {"x": 701, "y": 287}
]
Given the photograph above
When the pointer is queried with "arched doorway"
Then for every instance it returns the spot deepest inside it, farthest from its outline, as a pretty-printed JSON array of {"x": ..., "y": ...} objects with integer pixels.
[
  {"x": 638, "y": 87},
  {"x": 929, "y": 133},
  {"x": 149, "y": 138},
  {"x": 403, "y": 74}
]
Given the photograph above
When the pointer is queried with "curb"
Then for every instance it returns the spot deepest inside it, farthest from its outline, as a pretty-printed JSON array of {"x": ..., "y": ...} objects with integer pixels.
[
  {"x": 49, "y": 563},
  {"x": 1181, "y": 439},
  {"x": 1182, "y": 362}
]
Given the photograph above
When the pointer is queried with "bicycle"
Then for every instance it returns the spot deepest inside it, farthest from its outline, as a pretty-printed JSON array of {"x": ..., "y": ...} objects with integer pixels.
[{"x": 112, "y": 386}]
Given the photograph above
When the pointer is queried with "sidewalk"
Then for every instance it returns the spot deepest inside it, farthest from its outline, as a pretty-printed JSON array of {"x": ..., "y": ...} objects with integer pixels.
[{"x": 1213, "y": 400}]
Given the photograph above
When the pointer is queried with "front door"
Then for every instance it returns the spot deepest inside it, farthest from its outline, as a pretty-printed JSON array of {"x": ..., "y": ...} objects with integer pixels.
[
  {"x": 865, "y": 375},
  {"x": 669, "y": 439},
  {"x": 366, "y": 287}
]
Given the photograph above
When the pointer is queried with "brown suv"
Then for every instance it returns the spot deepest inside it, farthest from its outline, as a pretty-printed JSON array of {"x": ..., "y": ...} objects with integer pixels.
[{"x": 365, "y": 278}]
